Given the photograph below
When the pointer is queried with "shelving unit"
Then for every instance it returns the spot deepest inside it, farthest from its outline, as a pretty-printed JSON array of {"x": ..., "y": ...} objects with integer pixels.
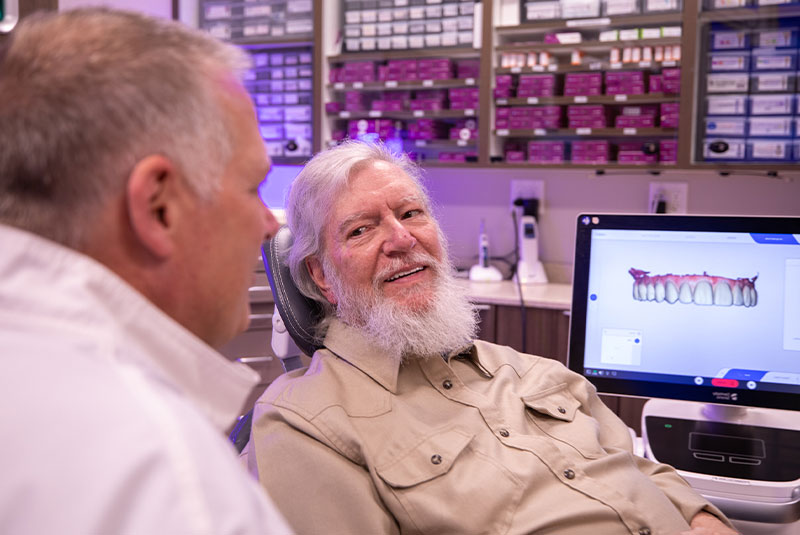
[
  {"x": 484, "y": 144},
  {"x": 279, "y": 36},
  {"x": 760, "y": 72}
]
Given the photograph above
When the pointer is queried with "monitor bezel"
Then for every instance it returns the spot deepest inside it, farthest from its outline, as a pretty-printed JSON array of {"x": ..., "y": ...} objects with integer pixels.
[{"x": 662, "y": 222}]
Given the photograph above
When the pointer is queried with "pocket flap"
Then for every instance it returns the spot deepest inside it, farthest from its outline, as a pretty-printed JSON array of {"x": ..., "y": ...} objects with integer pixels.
[
  {"x": 428, "y": 459},
  {"x": 557, "y": 402}
]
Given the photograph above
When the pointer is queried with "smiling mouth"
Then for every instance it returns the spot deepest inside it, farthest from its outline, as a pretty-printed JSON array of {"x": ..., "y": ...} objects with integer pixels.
[{"x": 405, "y": 274}]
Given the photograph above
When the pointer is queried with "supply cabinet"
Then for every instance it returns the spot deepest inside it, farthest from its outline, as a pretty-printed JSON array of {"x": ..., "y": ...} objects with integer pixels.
[
  {"x": 747, "y": 95},
  {"x": 626, "y": 84}
]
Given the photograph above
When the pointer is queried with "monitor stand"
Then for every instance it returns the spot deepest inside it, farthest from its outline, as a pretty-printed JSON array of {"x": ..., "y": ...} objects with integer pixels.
[{"x": 745, "y": 460}]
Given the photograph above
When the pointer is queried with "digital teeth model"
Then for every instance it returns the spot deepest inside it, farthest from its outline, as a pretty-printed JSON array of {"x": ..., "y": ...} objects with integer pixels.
[
  {"x": 404, "y": 274},
  {"x": 702, "y": 289}
]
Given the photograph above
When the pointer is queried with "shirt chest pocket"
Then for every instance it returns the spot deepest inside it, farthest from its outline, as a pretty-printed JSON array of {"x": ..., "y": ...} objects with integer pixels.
[
  {"x": 557, "y": 412},
  {"x": 432, "y": 480}
]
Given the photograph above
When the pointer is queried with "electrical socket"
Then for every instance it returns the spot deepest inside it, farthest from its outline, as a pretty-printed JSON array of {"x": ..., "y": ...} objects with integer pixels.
[
  {"x": 675, "y": 194},
  {"x": 528, "y": 189}
]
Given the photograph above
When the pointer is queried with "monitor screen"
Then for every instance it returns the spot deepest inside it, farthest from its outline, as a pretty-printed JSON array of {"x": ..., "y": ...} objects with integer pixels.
[{"x": 701, "y": 308}]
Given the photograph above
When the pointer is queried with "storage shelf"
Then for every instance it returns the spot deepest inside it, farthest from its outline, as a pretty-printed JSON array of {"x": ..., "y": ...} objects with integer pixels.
[
  {"x": 590, "y": 23},
  {"x": 558, "y": 48},
  {"x": 411, "y": 53},
  {"x": 634, "y": 168},
  {"x": 648, "y": 98},
  {"x": 398, "y": 85},
  {"x": 590, "y": 66},
  {"x": 587, "y": 132},
  {"x": 273, "y": 42},
  {"x": 750, "y": 13},
  {"x": 416, "y": 114}
]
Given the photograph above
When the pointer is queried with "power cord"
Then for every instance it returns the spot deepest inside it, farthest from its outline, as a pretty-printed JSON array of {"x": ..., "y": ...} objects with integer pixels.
[{"x": 523, "y": 311}]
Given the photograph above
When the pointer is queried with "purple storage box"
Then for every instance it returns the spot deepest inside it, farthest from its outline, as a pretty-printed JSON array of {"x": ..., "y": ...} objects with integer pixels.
[
  {"x": 333, "y": 107},
  {"x": 501, "y": 123},
  {"x": 582, "y": 91},
  {"x": 537, "y": 80},
  {"x": 502, "y": 92},
  {"x": 590, "y": 110},
  {"x": 634, "y": 121},
  {"x": 524, "y": 92},
  {"x": 468, "y": 68},
  {"x": 656, "y": 83},
  {"x": 502, "y": 112},
  {"x": 515, "y": 156},
  {"x": 503, "y": 80},
  {"x": 645, "y": 109},
  {"x": 517, "y": 123}
]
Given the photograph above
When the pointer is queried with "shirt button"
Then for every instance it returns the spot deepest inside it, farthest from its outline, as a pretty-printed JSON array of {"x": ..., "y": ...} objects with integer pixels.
[
  {"x": 447, "y": 384},
  {"x": 562, "y": 410},
  {"x": 504, "y": 432},
  {"x": 644, "y": 531},
  {"x": 569, "y": 474},
  {"x": 436, "y": 459}
]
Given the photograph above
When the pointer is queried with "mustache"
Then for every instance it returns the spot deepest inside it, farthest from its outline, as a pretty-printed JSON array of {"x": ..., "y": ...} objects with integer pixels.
[{"x": 412, "y": 257}]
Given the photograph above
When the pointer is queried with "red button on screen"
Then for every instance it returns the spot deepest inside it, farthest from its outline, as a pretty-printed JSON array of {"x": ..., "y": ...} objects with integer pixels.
[{"x": 729, "y": 383}]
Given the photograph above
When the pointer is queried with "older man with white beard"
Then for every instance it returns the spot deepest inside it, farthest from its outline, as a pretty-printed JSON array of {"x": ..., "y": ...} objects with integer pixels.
[{"x": 403, "y": 423}]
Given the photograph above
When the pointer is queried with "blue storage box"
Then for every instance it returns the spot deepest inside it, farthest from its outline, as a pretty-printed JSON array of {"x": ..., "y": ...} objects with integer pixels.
[
  {"x": 776, "y": 150},
  {"x": 769, "y": 59},
  {"x": 726, "y": 126},
  {"x": 771, "y": 126},
  {"x": 778, "y": 104},
  {"x": 727, "y": 104},
  {"x": 730, "y": 40},
  {"x": 773, "y": 82},
  {"x": 775, "y": 38},
  {"x": 729, "y": 61},
  {"x": 724, "y": 149}
]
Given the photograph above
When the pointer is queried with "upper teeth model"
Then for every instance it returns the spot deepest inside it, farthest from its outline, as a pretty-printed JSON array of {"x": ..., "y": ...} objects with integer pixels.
[{"x": 702, "y": 289}]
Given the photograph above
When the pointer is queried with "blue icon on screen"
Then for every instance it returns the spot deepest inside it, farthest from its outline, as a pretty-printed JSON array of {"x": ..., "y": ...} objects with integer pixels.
[{"x": 593, "y": 297}]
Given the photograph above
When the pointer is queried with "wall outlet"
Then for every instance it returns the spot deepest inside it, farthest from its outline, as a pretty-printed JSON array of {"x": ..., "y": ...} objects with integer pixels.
[
  {"x": 528, "y": 189},
  {"x": 675, "y": 194}
]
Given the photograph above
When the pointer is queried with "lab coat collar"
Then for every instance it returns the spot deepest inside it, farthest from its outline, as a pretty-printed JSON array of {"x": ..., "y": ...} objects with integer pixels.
[{"x": 41, "y": 281}]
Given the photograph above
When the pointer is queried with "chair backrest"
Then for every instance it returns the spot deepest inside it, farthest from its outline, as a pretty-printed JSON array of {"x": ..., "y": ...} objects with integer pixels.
[
  {"x": 295, "y": 314},
  {"x": 299, "y": 313}
]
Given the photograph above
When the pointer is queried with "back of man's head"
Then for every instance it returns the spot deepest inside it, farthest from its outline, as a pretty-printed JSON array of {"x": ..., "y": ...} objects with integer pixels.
[
  {"x": 89, "y": 92},
  {"x": 315, "y": 190}
]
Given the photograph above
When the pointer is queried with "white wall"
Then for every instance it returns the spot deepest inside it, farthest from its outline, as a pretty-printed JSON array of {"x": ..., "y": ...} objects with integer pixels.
[{"x": 464, "y": 196}]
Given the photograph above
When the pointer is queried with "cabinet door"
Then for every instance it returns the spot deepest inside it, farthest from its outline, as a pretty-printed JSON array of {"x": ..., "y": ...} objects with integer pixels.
[
  {"x": 487, "y": 323},
  {"x": 546, "y": 331}
]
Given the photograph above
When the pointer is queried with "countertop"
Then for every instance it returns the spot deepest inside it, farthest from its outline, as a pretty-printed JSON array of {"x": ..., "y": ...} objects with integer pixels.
[{"x": 552, "y": 295}]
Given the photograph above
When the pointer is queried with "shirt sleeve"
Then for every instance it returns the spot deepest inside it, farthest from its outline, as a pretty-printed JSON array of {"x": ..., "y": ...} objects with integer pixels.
[
  {"x": 614, "y": 434},
  {"x": 305, "y": 474}
]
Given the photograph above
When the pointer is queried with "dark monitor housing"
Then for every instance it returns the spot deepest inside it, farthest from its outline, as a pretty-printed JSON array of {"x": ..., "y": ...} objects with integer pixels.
[{"x": 698, "y": 308}]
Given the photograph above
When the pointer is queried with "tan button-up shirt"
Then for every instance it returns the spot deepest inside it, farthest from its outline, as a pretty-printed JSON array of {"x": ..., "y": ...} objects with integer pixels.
[{"x": 490, "y": 441}]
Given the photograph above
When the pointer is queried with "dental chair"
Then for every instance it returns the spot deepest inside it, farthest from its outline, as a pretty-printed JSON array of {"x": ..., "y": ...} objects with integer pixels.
[{"x": 292, "y": 321}]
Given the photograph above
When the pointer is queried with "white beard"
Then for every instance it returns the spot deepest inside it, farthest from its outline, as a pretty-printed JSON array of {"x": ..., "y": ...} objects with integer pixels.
[{"x": 449, "y": 322}]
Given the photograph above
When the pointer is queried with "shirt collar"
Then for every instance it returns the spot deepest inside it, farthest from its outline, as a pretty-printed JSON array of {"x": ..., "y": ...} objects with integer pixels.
[
  {"x": 351, "y": 345},
  {"x": 43, "y": 280}
]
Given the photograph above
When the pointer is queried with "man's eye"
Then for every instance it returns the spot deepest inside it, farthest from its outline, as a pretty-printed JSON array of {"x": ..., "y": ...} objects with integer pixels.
[
  {"x": 357, "y": 232},
  {"x": 411, "y": 213}
]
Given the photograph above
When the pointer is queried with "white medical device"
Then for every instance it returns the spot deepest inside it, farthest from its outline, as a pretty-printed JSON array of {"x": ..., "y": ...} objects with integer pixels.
[
  {"x": 530, "y": 269},
  {"x": 700, "y": 313},
  {"x": 483, "y": 271}
]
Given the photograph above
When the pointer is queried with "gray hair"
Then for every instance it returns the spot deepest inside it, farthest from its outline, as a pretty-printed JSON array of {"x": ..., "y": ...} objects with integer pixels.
[
  {"x": 313, "y": 193},
  {"x": 88, "y": 93}
]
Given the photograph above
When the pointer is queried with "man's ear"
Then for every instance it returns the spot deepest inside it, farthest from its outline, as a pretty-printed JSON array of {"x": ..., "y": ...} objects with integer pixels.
[
  {"x": 314, "y": 267},
  {"x": 150, "y": 197}
]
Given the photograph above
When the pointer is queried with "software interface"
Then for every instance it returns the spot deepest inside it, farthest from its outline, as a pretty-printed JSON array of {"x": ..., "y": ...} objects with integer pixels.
[{"x": 709, "y": 308}]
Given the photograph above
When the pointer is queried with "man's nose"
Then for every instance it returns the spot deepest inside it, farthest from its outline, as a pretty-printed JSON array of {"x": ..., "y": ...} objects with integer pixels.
[
  {"x": 398, "y": 239},
  {"x": 271, "y": 224}
]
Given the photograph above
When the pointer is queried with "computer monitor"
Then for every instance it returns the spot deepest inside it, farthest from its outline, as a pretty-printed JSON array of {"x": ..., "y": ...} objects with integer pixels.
[
  {"x": 698, "y": 308},
  {"x": 9, "y": 15}
]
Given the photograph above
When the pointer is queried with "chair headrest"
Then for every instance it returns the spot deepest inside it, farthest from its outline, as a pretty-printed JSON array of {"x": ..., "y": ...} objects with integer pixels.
[{"x": 299, "y": 313}]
